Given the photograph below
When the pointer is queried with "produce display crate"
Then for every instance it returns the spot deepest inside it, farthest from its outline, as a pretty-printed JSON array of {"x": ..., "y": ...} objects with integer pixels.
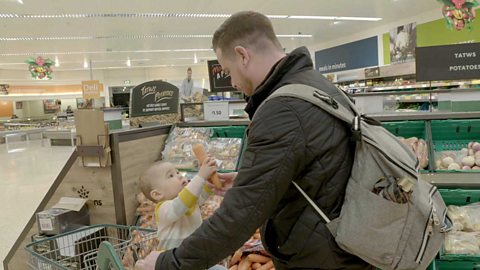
[
  {"x": 453, "y": 135},
  {"x": 229, "y": 132},
  {"x": 454, "y": 261},
  {"x": 407, "y": 129}
]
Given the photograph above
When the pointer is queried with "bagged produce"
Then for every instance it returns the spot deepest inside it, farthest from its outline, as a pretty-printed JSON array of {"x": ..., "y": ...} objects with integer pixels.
[
  {"x": 419, "y": 147},
  {"x": 464, "y": 159},
  {"x": 465, "y": 218},
  {"x": 462, "y": 243}
]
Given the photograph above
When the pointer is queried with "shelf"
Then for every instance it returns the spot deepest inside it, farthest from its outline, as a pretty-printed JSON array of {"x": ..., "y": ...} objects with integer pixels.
[
  {"x": 424, "y": 116},
  {"x": 448, "y": 179}
]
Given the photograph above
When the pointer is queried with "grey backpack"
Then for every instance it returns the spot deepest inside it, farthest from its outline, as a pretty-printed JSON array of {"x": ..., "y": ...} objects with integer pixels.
[{"x": 389, "y": 217}]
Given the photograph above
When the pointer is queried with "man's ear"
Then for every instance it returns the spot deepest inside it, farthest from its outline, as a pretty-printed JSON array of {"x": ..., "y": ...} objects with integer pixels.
[
  {"x": 243, "y": 54},
  {"x": 156, "y": 195}
]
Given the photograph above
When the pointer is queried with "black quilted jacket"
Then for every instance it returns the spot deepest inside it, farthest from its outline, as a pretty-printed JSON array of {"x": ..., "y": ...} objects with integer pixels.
[{"x": 288, "y": 139}]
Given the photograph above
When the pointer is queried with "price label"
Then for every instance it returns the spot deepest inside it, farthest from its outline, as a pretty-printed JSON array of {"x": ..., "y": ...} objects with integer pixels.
[
  {"x": 215, "y": 110},
  {"x": 46, "y": 224}
]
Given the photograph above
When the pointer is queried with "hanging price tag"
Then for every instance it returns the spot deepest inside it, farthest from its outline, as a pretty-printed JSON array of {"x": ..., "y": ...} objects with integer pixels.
[{"x": 215, "y": 110}]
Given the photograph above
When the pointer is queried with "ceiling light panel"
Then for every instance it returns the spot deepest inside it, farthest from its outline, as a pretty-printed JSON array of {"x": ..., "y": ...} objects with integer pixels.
[{"x": 173, "y": 15}]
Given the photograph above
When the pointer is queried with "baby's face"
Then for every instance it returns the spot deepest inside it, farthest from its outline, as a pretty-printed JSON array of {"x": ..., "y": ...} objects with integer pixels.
[{"x": 170, "y": 181}]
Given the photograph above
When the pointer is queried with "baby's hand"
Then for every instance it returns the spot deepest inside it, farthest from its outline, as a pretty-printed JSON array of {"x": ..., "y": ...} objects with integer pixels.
[{"x": 208, "y": 168}]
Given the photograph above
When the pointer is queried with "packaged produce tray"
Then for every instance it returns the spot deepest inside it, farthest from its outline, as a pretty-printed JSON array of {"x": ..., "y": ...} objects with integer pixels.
[
  {"x": 459, "y": 197},
  {"x": 224, "y": 143}
]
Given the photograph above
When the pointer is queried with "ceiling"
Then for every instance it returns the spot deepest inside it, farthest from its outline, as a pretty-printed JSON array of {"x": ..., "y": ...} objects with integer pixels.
[{"x": 108, "y": 32}]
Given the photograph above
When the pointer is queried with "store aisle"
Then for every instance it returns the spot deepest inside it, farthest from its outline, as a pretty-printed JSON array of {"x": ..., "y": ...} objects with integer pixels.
[{"x": 25, "y": 178}]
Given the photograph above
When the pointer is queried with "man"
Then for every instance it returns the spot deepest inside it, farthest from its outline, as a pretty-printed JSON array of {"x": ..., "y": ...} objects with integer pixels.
[
  {"x": 288, "y": 139},
  {"x": 186, "y": 89}
]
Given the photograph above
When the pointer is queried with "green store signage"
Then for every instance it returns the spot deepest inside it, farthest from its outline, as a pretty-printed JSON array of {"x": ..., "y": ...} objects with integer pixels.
[{"x": 436, "y": 33}]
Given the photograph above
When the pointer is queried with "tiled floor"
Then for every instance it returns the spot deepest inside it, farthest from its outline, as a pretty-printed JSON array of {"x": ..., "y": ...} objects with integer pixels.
[{"x": 25, "y": 177}]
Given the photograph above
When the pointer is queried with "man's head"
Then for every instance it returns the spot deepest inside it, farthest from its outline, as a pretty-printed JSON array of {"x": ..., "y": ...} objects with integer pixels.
[
  {"x": 189, "y": 73},
  {"x": 161, "y": 182},
  {"x": 247, "y": 47}
]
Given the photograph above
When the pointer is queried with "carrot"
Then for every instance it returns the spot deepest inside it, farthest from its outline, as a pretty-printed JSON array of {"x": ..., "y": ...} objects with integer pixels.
[
  {"x": 201, "y": 155},
  {"x": 266, "y": 266},
  {"x": 258, "y": 258}
]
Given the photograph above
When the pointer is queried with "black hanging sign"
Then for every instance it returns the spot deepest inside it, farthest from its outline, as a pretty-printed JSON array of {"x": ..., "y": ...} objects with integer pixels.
[
  {"x": 450, "y": 62},
  {"x": 219, "y": 80},
  {"x": 152, "y": 98}
]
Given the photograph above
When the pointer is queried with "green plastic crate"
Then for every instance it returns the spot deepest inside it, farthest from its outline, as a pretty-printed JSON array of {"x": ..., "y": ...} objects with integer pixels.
[
  {"x": 454, "y": 261},
  {"x": 406, "y": 129},
  {"x": 229, "y": 132},
  {"x": 456, "y": 130},
  {"x": 460, "y": 196},
  {"x": 453, "y": 135}
]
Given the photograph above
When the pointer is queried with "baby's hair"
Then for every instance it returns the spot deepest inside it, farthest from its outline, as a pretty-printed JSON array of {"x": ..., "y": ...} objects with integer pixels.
[{"x": 146, "y": 180}]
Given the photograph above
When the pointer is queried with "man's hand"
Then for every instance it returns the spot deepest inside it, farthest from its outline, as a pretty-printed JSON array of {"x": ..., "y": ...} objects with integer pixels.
[
  {"x": 227, "y": 182},
  {"x": 148, "y": 263}
]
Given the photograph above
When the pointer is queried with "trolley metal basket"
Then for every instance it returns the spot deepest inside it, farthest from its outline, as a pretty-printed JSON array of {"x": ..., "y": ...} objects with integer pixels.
[{"x": 101, "y": 247}]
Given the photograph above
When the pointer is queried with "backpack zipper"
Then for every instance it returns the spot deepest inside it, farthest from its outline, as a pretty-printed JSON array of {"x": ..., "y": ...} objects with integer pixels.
[{"x": 432, "y": 220}]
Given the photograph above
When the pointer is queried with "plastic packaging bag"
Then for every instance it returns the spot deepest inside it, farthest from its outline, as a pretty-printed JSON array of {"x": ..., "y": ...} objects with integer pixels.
[{"x": 462, "y": 243}]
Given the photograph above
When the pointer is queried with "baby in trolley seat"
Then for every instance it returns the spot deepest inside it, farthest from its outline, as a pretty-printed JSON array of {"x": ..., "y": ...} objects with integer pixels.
[{"x": 177, "y": 212}]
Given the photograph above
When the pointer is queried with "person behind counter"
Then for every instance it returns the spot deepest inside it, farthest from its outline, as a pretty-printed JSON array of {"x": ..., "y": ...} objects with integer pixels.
[{"x": 186, "y": 89}]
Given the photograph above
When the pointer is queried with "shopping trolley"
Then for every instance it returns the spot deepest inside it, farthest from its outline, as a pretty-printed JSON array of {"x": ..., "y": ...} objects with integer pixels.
[{"x": 97, "y": 247}]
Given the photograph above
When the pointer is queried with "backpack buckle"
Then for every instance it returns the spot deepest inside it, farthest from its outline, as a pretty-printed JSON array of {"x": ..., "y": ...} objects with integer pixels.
[
  {"x": 356, "y": 132},
  {"x": 327, "y": 99}
]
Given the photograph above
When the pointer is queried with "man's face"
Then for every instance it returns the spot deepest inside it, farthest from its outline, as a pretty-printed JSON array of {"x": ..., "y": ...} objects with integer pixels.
[
  {"x": 233, "y": 65},
  {"x": 189, "y": 75}
]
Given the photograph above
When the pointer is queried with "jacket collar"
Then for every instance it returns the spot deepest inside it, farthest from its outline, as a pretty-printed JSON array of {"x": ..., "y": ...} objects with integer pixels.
[{"x": 296, "y": 61}]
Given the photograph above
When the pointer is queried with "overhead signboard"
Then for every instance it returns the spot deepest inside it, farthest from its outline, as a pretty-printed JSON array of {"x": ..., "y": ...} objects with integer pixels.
[
  {"x": 91, "y": 89},
  {"x": 219, "y": 80},
  {"x": 450, "y": 62},
  {"x": 152, "y": 98},
  {"x": 358, "y": 54}
]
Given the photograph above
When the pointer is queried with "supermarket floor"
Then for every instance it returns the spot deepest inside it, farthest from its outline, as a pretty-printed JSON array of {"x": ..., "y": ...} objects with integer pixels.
[{"x": 25, "y": 177}]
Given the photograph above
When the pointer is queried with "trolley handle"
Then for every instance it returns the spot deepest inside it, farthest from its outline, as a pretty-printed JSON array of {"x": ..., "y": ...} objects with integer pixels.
[{"x": 107, "y": 256}]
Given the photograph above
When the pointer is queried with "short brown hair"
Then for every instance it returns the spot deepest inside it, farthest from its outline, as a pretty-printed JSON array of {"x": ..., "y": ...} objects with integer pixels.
[
  {"x": 189, "y": 69},
  {"x": 247, "y": 29},
  {"x": 147, "y": 178}
]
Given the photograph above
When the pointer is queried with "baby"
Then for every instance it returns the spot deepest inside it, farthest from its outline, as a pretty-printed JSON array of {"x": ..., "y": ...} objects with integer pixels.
[{"x": 177, "y": 214}]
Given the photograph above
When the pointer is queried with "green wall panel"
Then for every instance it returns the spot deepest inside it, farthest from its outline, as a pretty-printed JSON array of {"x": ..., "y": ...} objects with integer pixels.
[
  {"x": 436, "y": 33},
  {"x": 386, "y": 49}
]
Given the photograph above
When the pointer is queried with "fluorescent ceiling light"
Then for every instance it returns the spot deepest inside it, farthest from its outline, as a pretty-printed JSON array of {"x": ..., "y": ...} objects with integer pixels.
[
  {"x": 123, "y": 37},
  {"x": 295, "y": 36},
  {"x": 174, "y": 15},
  {"x": 102, "y": 52},
  {"x": 57, "y": 63},
  {"x": 195, "y": 59},
  {"x": 358, "y": 19},
  {"x": 85, "y": 63},
  {"x": 312, "y": 17},
  {"x": 129, "y": 63}
]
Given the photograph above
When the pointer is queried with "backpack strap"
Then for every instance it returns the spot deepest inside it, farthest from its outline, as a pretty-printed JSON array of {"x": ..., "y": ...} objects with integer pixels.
[
  {"x": 324, "y": 101},
  {"x": 327, "y": 103}
]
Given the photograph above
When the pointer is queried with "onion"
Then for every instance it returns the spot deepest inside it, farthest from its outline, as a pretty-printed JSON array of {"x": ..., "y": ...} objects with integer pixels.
[
  {"x": 447, "y": 161},
  {"x": 476, "y": 147},
  {"x": 475, "y": 168},
  {"x": 468, "y": 161},
  {"x": 464, "y": 152},
  {"x": 466, "y": 168},
  {"x": 453, "y": 167}
]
